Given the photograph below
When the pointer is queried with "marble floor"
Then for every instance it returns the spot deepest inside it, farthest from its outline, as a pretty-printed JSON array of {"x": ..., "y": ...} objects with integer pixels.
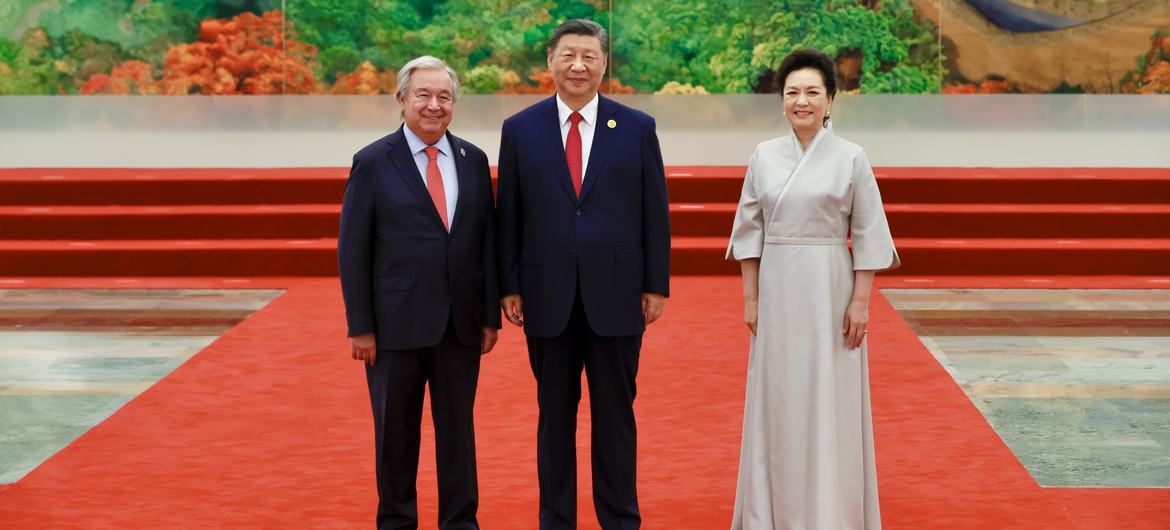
[
  {"x": 1076, "y": 382},
  {"x": 69, "y": 358}
]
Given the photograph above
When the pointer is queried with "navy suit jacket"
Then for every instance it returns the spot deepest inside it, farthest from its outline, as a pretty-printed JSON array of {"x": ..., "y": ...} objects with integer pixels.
[
  {"x": 403, "y": 275},
  {"x": 613, "y": 241}
]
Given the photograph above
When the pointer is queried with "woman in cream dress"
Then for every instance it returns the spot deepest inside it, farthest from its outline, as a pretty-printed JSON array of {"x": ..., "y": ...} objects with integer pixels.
[{"x": 807, "y": 458}]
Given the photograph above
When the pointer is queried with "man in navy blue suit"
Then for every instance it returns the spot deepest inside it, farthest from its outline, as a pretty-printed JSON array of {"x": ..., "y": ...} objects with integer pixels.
[
  {"x": 584, "y": 247},
  {"x": 418, "y": 273}
]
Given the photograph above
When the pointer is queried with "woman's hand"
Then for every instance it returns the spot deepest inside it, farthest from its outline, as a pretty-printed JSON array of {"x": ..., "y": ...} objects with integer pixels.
[
  {"x": 751, "y": 291},
  {"x": 856, "y": 319},
  {"x": 751, "y": 313}
]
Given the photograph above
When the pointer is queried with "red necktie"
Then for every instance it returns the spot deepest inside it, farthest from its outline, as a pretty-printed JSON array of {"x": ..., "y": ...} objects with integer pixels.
[
  {"x": 435, "y": 183},
  {"x": 573, "y": 151}
]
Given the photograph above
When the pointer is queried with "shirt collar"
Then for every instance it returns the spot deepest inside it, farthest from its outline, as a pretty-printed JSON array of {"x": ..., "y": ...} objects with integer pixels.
[
  {"x": 588, "y": 112},
  {"x": 417, "y": 145}
]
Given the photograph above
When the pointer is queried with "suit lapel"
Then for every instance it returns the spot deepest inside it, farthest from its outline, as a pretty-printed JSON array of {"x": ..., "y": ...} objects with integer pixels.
[
  {"x": 602, "y": 139},
  {"x": 551, "y": 131},
  {"x": 463, "y": 174},
  {"x": 408, "y": 171}
]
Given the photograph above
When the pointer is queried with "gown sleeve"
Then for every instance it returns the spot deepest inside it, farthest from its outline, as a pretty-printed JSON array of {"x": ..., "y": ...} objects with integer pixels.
[
  {"x": 873, "y": 246},
  {"x": 747, "y": 233}
]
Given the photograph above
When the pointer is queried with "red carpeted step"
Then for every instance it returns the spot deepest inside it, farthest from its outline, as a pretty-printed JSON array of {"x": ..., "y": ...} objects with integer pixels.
[
  {"x": 922, "y": 256},
  {"x": 1029, "y": 220},
  {"x": 971, "y": 220},
  {"x": 704, "y": 184},
  {"x": 1035, "y": 256},
  {"x": 702, "y": 256},
  {"x": 245, "y": 221},
  {"x": 1025, "y": 185},
  {"x": 127, "y": 186},
  {"x": 687, "y": 219},
  {"x": 281, "y": 221},
  {"x": 684, "y": 183},
  {"x": 701, "y": 219},
  {"x": 690, "y": 256},
  {"x": 207, "y": 257},
  {"x": 960, "y": 185}
]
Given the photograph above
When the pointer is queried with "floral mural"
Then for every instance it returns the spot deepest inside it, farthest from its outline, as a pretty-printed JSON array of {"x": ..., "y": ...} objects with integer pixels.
[{"x": 222, "y": 47}]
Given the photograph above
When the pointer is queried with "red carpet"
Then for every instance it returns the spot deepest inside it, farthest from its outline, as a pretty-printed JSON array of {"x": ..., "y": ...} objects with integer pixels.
[
  {"x": 269, "y": 427},
  {"x": 268, "y": 221}
]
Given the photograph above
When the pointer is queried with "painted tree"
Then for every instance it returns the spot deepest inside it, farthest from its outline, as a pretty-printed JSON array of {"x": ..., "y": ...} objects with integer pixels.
[
  {"x": 1152, "y": 75},
  {"x": 130, "y": 77},
  {"x": 25, "y": 70},
  {"x": 349, "y": 32},
  {"x": 987, "y": 86},
  {"x": 247, "y": 54},
  {"x": 365, "y": 80},
  {"x": 734, "y": 46}
]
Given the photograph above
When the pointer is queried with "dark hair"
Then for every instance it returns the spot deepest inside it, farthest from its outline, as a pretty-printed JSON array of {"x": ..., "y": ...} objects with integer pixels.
[
  {"x": 808, "y": 58},
  {"x": 579, "y": 26}
]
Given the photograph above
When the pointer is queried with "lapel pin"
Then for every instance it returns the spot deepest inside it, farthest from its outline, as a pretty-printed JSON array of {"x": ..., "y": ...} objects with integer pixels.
[
  {"x": 462, "y": 152},
  {"x": 611, "y": 123}
]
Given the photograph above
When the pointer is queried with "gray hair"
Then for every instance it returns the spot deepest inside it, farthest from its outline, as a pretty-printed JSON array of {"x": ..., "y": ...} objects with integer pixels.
[
  {"x": 579, "y": 26},
  {"x": 425, "y": 62}
]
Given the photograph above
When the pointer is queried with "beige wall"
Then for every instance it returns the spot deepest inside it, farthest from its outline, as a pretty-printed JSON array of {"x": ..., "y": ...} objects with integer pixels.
[{"x": 300, "y": 131}]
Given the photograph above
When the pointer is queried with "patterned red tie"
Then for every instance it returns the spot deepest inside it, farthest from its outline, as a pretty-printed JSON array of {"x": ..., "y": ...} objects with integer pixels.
[
  {"x": 573, "y": 151},
  {"x": 435, "y": 183}
]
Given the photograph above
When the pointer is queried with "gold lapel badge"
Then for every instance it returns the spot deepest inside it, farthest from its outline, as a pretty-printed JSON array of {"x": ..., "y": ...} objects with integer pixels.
[{"x": 611, "y": 124}]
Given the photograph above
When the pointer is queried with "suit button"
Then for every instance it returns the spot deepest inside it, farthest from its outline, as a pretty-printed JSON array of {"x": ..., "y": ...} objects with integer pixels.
[
  {"x": 578, "y": 212},
  {"x": 573, "y": 250}
]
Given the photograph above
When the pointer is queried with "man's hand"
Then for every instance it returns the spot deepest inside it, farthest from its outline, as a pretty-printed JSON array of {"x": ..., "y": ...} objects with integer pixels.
[
  {"x": 490, "y": 335},
  {"x": 513, "y": 309},
  {"x": 364, "y": 348},
  {"x": 652, "y": 305}
]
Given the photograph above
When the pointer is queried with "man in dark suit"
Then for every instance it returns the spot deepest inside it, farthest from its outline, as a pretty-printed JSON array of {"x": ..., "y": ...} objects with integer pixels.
[
  {"x": 418, "y": 272},
  {"x": 584, "y": 239}
]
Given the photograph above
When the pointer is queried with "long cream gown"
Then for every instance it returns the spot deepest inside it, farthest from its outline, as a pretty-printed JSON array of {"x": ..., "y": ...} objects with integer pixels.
[{"x": 807, "y": 458}]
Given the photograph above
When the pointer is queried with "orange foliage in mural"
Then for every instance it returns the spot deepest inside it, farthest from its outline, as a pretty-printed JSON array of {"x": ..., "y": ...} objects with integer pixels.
[
  {"x": 614, "y": 86},
  {"x": 1153, "y": 74},
  {"x": 130, "y": 77},
  {"x": 544, "y": 84},
  {"x": 243, "y": 55},
  {"x": 990, "y": 86},
  {"x": 365, "y": 80}
]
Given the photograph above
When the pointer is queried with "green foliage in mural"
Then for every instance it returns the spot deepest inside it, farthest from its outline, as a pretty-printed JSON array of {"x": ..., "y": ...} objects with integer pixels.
[
  {"x": 734, "y": 45},
  {"x": 348, "y": 32}
]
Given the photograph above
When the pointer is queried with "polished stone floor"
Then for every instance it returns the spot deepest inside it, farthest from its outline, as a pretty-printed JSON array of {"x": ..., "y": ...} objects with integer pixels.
[
  {"x": 69, "y": 358},
  {"x": 1076, "y": 382}
]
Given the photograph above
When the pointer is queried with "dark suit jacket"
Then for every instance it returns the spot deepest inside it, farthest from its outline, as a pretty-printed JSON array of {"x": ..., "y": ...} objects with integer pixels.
[
  {"x": 614, "y": 240},
  {"x": 402, "y": 274}
]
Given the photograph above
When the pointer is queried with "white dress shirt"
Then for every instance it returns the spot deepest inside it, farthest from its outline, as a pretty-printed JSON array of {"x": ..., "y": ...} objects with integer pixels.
[
  {"x": 586, "y": 127},
  {"x": 446, "y": 163}
]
